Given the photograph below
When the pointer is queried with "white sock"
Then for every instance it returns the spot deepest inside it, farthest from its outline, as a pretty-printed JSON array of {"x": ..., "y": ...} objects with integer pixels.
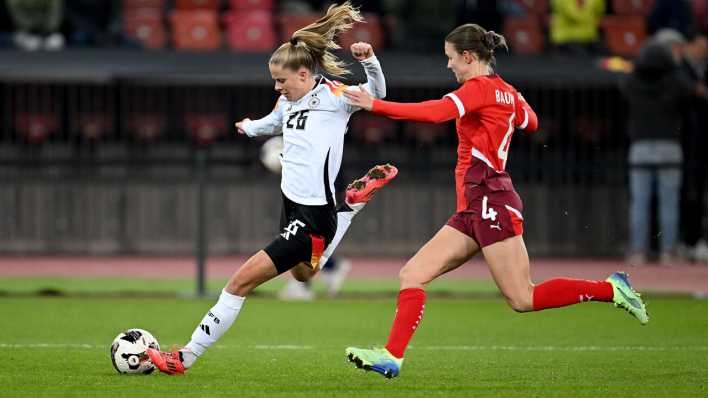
[
  {"x": 344, "y": 220},
  {"x": 215, "y": 323}
]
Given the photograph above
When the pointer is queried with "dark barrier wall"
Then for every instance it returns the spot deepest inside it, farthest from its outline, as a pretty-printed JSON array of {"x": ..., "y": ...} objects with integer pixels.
[{"x": 106, "y": 164}]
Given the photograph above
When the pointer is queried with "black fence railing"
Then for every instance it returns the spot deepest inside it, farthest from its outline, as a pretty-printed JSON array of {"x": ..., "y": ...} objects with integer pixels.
[{"x": 110, "y": 166}]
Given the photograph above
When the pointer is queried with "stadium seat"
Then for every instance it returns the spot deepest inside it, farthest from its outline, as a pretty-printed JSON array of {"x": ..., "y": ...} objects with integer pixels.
[
  {"x": 205, "y": 128},
  {"x": 243, "y": 5},
  {"x": 288, "y": 23},
  {"x": 370, "y": 129},
  {"x": 145, "y": 26},
  {"x": 700, "y": 10},
  {"x": 147, "y": 126},
  {"x": 370, "y": 32},
  {"x": 624, "y": 35},
  {"x": 197, "y": 5},
  {"x": 250, "y": 30},
  {"x": 36, "y": 126},
  {"x": 537, "y": 7},
  {"x": 92, "y": 125},
  {"x": 524, "y": 34},
  {"x": 195, "y": 30},
  {"x": 632, "y": 7},
  {"x": 134, "y": 5}
]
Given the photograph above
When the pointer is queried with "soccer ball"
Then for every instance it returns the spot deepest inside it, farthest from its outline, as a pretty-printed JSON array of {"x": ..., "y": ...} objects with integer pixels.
[
  {"x": 270, "y": 154},
  {"x": 128, "y": 351}
]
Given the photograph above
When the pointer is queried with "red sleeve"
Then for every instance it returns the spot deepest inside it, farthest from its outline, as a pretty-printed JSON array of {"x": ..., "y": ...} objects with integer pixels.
[
  {"x": 435, "y": 111},
  {"x": 525, "y": 116}
]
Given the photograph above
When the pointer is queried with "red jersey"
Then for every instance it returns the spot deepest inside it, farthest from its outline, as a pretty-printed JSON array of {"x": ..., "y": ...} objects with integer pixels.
[{"x": 487, "y": 111}]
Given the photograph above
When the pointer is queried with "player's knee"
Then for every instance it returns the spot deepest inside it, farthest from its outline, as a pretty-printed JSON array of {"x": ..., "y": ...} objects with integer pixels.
[
  {"x": 302, "y": 272},
  {"x": 238, "y": 287},
  {"x": 520, "y": 302},
  {"x": 409, "y": 276}
]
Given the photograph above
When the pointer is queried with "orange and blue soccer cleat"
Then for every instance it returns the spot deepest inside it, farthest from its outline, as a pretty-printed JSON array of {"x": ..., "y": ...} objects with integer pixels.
[
  {"x": 363, "y": 189},
  {"x": 167, "y": 362}
]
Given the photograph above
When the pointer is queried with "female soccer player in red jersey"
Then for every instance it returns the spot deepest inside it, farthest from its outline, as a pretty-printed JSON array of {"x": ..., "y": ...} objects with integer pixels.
[{"x": 489, "y": 217}]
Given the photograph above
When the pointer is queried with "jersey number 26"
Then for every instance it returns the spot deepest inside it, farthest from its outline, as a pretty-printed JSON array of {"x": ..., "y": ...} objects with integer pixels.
[{"x": 300, "y": 122}]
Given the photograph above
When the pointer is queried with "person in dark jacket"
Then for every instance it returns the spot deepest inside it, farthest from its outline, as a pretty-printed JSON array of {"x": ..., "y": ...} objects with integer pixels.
[
  {"x": 695, "y": 140},
  {"x": 657, "y": 92}
]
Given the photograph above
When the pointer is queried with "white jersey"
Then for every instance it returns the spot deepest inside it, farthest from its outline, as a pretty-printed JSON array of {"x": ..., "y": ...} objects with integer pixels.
[{"x": 313, "y": 131}]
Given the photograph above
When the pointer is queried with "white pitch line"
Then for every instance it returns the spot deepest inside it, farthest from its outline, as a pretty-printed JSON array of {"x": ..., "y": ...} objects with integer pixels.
[{"x": 427, "y": 348}]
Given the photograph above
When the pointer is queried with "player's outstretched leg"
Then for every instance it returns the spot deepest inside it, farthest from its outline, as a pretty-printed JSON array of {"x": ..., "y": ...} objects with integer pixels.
[
  {"x": 378, "y": 360},
  {"x": 627, "y": 298},
  {"x": 359, "y": 192}
]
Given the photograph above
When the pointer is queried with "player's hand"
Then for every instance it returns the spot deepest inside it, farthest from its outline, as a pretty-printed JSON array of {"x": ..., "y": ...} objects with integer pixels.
[
  {"x": 361, "y": 98},
  {"x": 239, "y": 126},
  {"x": 362, "y": 51}
]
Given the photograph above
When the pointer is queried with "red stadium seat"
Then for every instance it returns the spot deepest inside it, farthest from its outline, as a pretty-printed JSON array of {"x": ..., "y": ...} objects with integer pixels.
[
  {"x": 290, "y": 22},
  {"x": 147, "y": 126},
  {"x": 524, "y": 34},
  {"x": 205, "y": 128},
  {"x": 92, "y": 125},
  {"x": 197, "y": 5},
  {"x": 250, "y": 30},
  {"x": 35, "y": 127},
  {"x": 146, "y": 27},
  {"x": 243, "y": 5},
  {"x": 371, "y": 129},
  {"x": 537, "y": 7},
  {"x": 700, "y": 10},
  {"x": 195, "y": 30},
  {"x": 624, "y": 35},
  {"x": 134, "y": 5},
  {"x": 632, "y": 7},
  {"x": 369, "y": 31}
]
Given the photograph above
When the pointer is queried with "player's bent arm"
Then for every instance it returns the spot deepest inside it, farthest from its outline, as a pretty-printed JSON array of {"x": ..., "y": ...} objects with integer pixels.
[
  {"x": 376, "y": 82},
  {"x": 434, "y": 111},
  {"x": 525, "y": 116},
  {"x": 529, "y": 121}
]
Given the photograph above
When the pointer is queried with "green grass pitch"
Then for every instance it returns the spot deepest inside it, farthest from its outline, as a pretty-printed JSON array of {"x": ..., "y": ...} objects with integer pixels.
[{"x": 464, "y": 348}]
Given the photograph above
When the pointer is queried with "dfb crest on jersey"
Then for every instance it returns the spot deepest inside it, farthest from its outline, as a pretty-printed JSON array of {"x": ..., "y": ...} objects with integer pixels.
[{"x": 314, "y": 102}]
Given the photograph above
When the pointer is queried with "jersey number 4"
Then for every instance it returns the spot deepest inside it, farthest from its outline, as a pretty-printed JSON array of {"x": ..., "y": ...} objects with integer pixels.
[{"x": 299, "y": 119}]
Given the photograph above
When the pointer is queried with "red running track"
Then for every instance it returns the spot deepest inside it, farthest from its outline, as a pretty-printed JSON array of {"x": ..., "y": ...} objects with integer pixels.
[{"x": 682, "y": 278}]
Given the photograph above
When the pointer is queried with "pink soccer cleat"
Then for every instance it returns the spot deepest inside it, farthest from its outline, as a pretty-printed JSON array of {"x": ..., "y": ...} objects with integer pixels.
[
  {"x": 363, "y": 189},
  {"x": 167, "y": 362}
]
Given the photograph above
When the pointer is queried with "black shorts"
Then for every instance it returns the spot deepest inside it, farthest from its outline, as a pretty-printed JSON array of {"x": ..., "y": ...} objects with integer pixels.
[{"x": 306, "y": 232}]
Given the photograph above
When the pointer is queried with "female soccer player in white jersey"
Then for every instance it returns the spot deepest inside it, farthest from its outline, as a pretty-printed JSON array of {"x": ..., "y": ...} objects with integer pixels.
[
  {"x": 312, "y": 115},
  {"x": 489, "y": 217}
]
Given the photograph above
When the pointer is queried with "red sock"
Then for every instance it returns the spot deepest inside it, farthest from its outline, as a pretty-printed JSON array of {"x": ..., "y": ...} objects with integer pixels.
[
  {"x": 409, "y": 312},
  {"x": 560, "y": 292}
]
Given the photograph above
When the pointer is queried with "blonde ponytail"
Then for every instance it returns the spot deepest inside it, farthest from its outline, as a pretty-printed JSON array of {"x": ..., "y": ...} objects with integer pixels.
[{"x": 310, "y": 46}]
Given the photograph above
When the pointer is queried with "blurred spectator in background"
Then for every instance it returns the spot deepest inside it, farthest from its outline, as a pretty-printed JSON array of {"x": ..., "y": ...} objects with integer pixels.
[
  {"x": 94, "y": 22},
  {"x": 656, "y": 92},
  {"x": 421, "y": 25},
  {"x": 695, "y": 142},
  {"x": 575, "y": 25},
  {"x": 672, "y": 39},
  {"x": 673, "y": 14},
  {"x": 37, "y": 23},
  {"x": 486, "y": 13}
]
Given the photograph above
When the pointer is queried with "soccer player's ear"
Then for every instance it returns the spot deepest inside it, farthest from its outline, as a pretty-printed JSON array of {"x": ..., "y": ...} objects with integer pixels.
[{"x": 302, "y": 74}]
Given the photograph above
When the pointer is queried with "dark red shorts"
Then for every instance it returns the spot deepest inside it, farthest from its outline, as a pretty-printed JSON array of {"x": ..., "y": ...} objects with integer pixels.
[{"x": 491, "y": 216}]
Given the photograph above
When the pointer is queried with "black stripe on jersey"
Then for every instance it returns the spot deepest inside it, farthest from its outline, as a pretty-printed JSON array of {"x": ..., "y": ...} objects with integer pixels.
[{"x": 328, "y": 192}]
